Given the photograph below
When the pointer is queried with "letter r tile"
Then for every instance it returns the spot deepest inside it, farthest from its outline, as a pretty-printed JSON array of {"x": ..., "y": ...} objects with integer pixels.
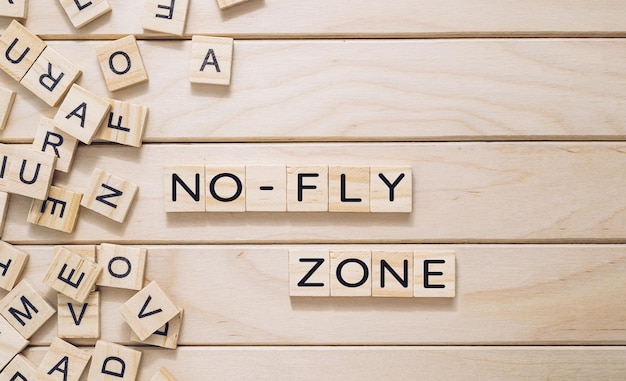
[
  {"x": 51, "y": 76},
  {"x": 148, "y": 310}
]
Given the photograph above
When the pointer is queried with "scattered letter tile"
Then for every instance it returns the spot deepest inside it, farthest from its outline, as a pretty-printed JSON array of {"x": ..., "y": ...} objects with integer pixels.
[
  {"x": 113, "y": 362},
  {"x": 81, "y": 113},
  {"x": 25, "y": 309},
  {"x": 19, "y": 48},
  {"x": 82, "y": 12},
  {"x": 72, "y": 275},
  {"x": 167, "y": 16},
  {"x": 109, "y": 195},
  {"x": 79, "y": 320},
  {"x": 55, "y": 142},
  {"x": 121, "y": 63},
  {"x": 62, "y": 361},
  {"x": 12, "y": 263},
  {"x": 125, "y": 123},
  {"x": 122, "y": 266},
  {"x": 59, "y": 211},
  {"x": 211, "y": 60},
  {"x": 148, "y": 311},
  {"x": 51, "y": 76},
  {"x": 166, "y": 336}
]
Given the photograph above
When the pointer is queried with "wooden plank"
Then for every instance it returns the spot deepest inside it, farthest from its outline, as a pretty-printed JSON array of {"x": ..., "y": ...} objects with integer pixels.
[
  {"x": 505, "y": 294},
  {"x": 382, "y": 363},
  {"x": 360, "y": 18},
  {"x": 463, "y": 192},
  {"x": 406, "y": 90}
]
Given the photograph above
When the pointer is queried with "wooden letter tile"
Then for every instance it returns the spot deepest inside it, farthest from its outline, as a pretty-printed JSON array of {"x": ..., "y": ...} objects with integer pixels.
[
  {"x": 167, "y": 16},
  {"x": 125, "y": 123},
  {"x": 223, "y": 4},
  {"x": 163, "y": 375},
  {"x": 6, "y": 104},
  {"x": 19, "y": 369},
  {"x": 17, "y": 9},
  {"x": 19, "y": 48},
  {"x": 4, "y": 207},
  {"x": 225, "y": 189},
  {"x": 348, "y": 189},
  {"x": 350, "y": 273},
  {"x": 266, "y": 188},
  {"x": 184, "y": 189},
  {"x": 59, "y": 211},
  {"x": 72, "y": 275},
  {"x": 78, "y": 320},
  {"x": 63, "y": 362},
  {"x": 166, "y": 336},
  {"x": 11, "y": 343},
  {"x": 82, "y": 12},
  {"x": 55, "y": 142},
  {"x": 211, "y": 60},
  {"x": 309, "y": 272},
  {"x": 434, "y": 274},
  {"x": 391, "y": 189},
  {"x": 122, "y": 266},
  {"x": 307, "y": 189},
  {"x": 81, "y": 113},
  {"x": 25, "y": 309},
  {"x": 12, "y": 263},
  {"x": 113, "y": 362},
  {"x": 148, "y": 310},
  {"x": 85, "y": 251},
  {"x": 121, "y": 63},
  {"x": 25, "y": 172},
  {"x": 392, "y": 273},
  {"x": 109, "y": 195},
  {"x": 51, "y": 76}
]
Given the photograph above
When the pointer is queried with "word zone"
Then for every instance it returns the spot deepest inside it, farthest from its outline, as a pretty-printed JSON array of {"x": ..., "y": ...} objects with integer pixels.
[
  {"x": 74, "y": 273},
  {"x": 382, "y": 273},
  {"x": 276, "y": 188}
]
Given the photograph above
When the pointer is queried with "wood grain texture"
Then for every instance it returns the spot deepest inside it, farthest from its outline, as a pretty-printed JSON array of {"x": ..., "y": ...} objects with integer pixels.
[
  {"x": 463, "y": 192},
  {"x": 355, "y": 18},
  {"x": 382, "y": 363},
  {"x": 505, "y": 295},
  {"x": 521, "y": 89}
]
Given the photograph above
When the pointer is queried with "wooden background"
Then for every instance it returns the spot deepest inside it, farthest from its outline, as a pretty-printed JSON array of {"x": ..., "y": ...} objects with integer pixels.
[{"x": 511, "y": 113}]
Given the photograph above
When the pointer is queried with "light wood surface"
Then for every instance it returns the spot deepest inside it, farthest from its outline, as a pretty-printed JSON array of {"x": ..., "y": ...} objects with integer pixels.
[
  {"x": 353, "y": 18},
  {"x": 388, "y": 363},
  {"x": 505, "y": 295},
  {"x": 499, "y": 192},
  {"x": 520, "y": 89}
]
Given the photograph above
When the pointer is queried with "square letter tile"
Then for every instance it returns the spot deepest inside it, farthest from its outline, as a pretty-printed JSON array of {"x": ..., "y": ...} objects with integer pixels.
[
  {"x": 266, "y": 188},
  {"x": 82, "y": 12},
  {"x": 62, "y": 361},
  {"x": 109, "y": 195},
  {"x": 113, "y": 362},
  {"x": 166, "y": 336},
  {"x": 350, "y": 273},
  {"x": 72, "y": 275},
  {"x": 211, "y": 60},
  {"x": 19, "y": 48},
  {"x": 25, "y": 309},
  {"x": 78, "y": 320},
  {"x": 55, "y": 142},
  {"x": 392, "y": 273},
  {"x": 183, "y": 189},
  {"x": 125, "y": 123},
  {"x": 348, "y": 189},
  {"x": 225, "y": 189},
  {"x": 391, "y": 189},
  {"x": 121, "y": 63},
  {"x": 12, "y": 344},
  {"x": 309, "y": 272},
  {"x": 122, "y": 266},
  {"x": 59, "y": 211},
  {"x": 307, "y": 189},
  {"x": 81, "y": 113},
  {"x": 167, "y": 16},
  {"x": 435, "y": 274},
  {"x": 12, "y": 263}
]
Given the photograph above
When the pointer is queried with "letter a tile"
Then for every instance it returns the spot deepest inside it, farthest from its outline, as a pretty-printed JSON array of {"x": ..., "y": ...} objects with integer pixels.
[
  {"x": 121, "y": 63},
  {"x": 25, "y": 309},
  {"x": 148, "y": 310},
  {"x": 59, "y": 211},
  {"x": 109, "y": 195},
  {"x": 83, "y": 12},
  {"x": 19, "y": 48},
  {"x": 72, "y": 275},
  {"x": 211, "y": 60},
  {"x": 113, "y": 362},
  {"x": 63, "y": 362},
  {"x": 81, "y": 113}
]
